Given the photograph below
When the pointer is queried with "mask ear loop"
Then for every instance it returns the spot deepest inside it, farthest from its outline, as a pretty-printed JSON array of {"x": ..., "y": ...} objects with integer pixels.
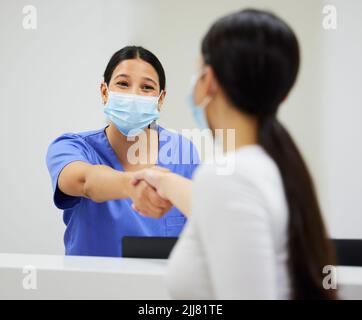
[
  {"x": 204, "y": 103},
  {"x": 159, "y": 96},
  {"x": 158, "y": 101},
  {"x": 153, "y": 124}
]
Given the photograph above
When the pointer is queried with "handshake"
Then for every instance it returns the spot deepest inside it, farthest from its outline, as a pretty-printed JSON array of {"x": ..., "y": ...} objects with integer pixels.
[
  {"x": 148, "y": 191},
  {"x": 153, "y": 191}
]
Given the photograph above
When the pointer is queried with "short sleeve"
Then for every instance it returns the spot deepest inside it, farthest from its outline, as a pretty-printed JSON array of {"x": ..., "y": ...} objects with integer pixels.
[{"x": 62, "y": 151}]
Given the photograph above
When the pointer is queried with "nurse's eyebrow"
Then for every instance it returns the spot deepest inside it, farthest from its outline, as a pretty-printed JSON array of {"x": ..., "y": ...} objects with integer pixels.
[
  {"x": 128, "y": 76},
  {"x": 147, "y": 78},
  {"x": 122, "y": 75}
]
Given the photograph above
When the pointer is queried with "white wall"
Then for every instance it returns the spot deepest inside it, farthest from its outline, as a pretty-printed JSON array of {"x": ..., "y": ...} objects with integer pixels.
[
  {"x": 341, "y": 124},
  {"x": 50, "y": 78}
]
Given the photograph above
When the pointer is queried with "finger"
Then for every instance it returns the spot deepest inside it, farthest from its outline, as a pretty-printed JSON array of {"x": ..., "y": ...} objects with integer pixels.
[
  {"x": 137, "y": 177},
  {"x": 156, "y": 199},
  {"x": 135, "y": 208},
  {"x": 142, "y": 175},
  {"x": 135, "y": 182},
  {"x": 156, "y": 212},
  {"x": 149, "y": 208},
  {"x": 146, "y": 211},
  {"x": 151, "y": 211},
  {"x": 144, "y": 205},
  {"x": 150, "y": 176}
]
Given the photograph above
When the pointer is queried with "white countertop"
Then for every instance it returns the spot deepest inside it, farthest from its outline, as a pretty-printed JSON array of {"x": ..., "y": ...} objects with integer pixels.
[
  {"x": 74, "y": 277},
  {"x": 84, "y": 263}
]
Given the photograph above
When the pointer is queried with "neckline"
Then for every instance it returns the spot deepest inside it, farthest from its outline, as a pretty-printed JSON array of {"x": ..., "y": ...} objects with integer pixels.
[
  {"x": 115, "y": 161},
  {"x": 250, "y": 148}
]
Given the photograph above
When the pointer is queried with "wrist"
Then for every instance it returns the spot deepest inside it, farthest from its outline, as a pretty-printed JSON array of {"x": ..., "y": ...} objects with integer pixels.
[
  {"x": 126, "y": 184},
  {"x": 165, "y": 183}
]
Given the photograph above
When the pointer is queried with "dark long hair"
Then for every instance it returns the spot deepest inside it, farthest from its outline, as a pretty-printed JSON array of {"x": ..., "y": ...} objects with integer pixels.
[
  {"x": 134, "y": 52},
  {"x": 255, "y": 58}
]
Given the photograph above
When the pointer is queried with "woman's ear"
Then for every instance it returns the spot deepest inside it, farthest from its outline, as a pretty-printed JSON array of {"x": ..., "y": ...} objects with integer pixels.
[
  {"x": 211, "y": 83},
  {"x": 104, "y": 92},
  {"x": 161, "y": 100}
]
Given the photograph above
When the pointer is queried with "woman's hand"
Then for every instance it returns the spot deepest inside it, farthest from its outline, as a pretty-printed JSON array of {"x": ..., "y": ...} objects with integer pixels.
[
  {"x": 168, "y": 185},
  {"x": 147, "y": 201},
  {"x": 155, "y": 177}
]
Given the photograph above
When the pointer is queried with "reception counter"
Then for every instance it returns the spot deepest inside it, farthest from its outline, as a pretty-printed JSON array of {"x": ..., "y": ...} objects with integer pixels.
[
  {"x": 25, "y": 276},
  {"x": 71, "y": 277}
]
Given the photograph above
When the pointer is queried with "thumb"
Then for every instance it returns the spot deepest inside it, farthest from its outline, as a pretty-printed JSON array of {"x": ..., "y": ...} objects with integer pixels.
[
  {"x": 148, "y": 175},
  {"x": 137, "y": 177}
]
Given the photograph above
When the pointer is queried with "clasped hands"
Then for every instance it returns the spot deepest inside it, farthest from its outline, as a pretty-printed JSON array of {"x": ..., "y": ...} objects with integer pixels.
[{"x": 147, "y": 192}]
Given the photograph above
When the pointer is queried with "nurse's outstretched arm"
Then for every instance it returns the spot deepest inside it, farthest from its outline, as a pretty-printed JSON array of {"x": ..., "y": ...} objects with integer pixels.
[
  {"x": 168, "y": 185},
  {"x": 102, "y": 183}
]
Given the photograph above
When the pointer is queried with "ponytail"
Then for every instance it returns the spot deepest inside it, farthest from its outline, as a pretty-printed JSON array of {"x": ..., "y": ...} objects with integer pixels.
[
  {"x": 308, "y": 245},
  {"x": 255, "y": 57}
]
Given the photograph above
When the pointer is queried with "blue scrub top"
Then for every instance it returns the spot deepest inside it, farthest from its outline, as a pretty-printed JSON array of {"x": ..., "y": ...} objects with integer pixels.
[{"x": 96, "y": 229}]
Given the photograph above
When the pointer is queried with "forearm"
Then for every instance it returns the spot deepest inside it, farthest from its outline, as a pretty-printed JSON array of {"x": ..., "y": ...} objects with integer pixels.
[
  {"x": 178, "y": 191},
  {"x": 102, "y": 183}
]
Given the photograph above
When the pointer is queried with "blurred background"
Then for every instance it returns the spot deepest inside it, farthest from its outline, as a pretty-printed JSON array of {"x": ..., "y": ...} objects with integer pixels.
[{"x": 50, "y": 77}]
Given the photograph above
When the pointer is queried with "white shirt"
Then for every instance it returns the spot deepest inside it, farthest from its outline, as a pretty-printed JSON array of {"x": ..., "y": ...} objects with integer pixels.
[{"x": 234, "y": 245}]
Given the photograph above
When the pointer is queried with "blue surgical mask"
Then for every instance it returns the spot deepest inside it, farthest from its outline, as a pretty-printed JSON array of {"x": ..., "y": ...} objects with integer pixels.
[
  {"x": 131, "y": 113},
  {"x": 198, "y": 111}
]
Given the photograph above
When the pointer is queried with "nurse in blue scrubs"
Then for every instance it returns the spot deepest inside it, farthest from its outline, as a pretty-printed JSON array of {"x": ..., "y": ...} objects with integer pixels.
[{"x": 91, "y": 172}]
